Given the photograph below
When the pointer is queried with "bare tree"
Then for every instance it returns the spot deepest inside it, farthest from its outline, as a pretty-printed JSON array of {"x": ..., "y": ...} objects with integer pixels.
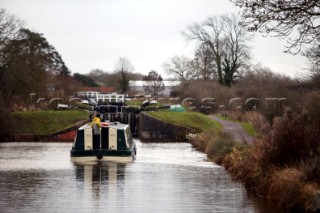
[
  {"x": 179, "y": 67},
  {"x": 313, "y": 54},
  {"x": 123, "y": 66},
  {"x": 296, "y": 20},
  {"x": 153, "y": 83},
  {"x": 9, "y": 29},
  {"x": 228, "y": 43},
  {"x": 203, "y": 63}
]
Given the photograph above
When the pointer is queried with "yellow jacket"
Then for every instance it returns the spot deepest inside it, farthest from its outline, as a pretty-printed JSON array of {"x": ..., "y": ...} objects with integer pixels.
[{"x": 97, "y": 121}]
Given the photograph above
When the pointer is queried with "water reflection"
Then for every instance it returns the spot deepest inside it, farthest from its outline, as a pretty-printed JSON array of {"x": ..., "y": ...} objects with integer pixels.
[
  {"x": 114, "y": 187},
  {"x": 96, "y": 175}
]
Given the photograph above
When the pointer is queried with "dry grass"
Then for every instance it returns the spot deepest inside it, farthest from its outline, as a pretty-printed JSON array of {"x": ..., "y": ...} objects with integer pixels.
[
  {"x": 245, "y": 166},
  {"x": 216, "y": 144},
  {"x": 283, "y": 166},
  {"x": 312, "y": 105},
  {"x": 258, "y": 121},
  {"x": 288, "y": 190},
  {"x": 290, "y": 141}
]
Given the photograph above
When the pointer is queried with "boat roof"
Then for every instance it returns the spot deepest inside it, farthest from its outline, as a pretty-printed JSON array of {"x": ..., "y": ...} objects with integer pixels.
[{"x": 114, "y": 125}]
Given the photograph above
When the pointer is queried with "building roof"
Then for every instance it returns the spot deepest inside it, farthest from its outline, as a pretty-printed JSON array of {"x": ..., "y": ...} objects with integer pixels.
[{"x": 97, "y": 89}]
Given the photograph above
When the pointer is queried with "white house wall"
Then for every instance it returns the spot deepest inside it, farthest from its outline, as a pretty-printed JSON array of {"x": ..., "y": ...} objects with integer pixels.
[{"x": 168, "y": 86}]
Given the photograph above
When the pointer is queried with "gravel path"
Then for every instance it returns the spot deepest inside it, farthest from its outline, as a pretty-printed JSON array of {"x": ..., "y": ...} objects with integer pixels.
[{"x": 234, "y": 129}]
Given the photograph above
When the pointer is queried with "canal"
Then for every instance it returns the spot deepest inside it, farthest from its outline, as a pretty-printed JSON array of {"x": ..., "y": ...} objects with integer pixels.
[{"x": 166, "y": 177}]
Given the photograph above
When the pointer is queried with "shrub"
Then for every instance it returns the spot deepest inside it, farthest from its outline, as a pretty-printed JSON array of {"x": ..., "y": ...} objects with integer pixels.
[
  {"x": 311, "y": 169},
  {"x": 290, "y": 141},
  {"x": 6, "y": 126},
  {"x": 216, "y": 144},
  {"x": 288, "y": 190},
  {"x": 312, "y": 105},
  {"x": 259, "y": 122},
  {"x": 219, "y": 145},
  {"x": 245, "y": 166},
  {"x": 283, "y": 166},
  {"x": 199, "y": 89}
]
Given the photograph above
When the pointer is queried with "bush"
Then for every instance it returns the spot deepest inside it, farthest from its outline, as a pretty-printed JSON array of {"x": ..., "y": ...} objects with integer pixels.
[
  {"x": 283, "y": 166},
  {"x": 216, "y": 144},
  {"x": 312, "y": 106},
  {"x": 6, "y": 125},
  {"x": 245, "y": 166},
  {"x": 199, "y": 89},
  {"x": 288, "y": 190},
  {"x": 290, "y": 141}
]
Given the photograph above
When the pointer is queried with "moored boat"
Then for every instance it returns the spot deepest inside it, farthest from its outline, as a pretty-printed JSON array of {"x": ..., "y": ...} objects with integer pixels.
[{"x": 115, "y": 144}]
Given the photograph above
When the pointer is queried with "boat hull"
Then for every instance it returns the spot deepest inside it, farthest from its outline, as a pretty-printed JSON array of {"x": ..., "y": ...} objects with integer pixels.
[{"x": 102, "y": 155}]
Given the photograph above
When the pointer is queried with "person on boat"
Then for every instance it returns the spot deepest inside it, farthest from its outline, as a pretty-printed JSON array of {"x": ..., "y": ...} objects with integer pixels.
[{"x": 96, "y": 125}]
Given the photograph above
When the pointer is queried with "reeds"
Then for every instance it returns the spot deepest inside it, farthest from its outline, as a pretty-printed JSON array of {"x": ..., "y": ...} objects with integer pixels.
[
  {"x": 283, "y": 166},
  {"x": 287, "y": 189},
  {"x": 216, "y": 144},
  {"x": 290, "y": 141}
]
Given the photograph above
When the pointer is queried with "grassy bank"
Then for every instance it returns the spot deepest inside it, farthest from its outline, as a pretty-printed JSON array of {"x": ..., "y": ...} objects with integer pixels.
[
  {"x": 211, "y": 140},
  {"x": 45, "y": 122},
  {"x": 193, "y": 120},
  {"x": 250, "y": 129}
]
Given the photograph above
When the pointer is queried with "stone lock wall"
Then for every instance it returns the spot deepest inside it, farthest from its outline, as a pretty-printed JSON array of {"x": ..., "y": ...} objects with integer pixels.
[{"x": 154, "y": 130}]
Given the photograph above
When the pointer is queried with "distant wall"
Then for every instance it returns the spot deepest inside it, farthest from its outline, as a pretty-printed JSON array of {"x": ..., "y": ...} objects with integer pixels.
[{"x": 154, "y": 130}]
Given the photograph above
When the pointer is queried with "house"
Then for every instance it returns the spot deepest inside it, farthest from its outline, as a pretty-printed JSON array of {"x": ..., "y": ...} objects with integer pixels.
[
  {"x": 100, "y": 94},
  {"x": 169, "y": 85}
]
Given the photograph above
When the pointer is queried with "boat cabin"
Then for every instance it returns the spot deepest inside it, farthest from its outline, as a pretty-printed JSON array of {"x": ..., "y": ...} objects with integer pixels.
[{"x": 114, "y": 140}]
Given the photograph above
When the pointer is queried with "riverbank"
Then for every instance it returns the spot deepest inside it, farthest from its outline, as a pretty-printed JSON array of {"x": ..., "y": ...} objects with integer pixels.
[
  {"x": 168, "y": 126},
  {"x": 194, "y": 120},
  {"x": 282, "y": 166},
  {"x": 45, "y": 126},
  {"x": 60, "y": 126},
  {"x": 46, "y": 122},
  {"x": 65, "y": 135}
]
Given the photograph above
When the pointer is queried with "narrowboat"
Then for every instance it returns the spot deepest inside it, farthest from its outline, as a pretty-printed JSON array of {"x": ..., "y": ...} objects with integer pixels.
[{"x": 115, "y": 144}]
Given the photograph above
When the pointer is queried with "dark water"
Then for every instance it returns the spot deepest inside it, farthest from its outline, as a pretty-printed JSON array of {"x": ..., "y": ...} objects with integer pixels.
[{"x": 38, "y": 177}]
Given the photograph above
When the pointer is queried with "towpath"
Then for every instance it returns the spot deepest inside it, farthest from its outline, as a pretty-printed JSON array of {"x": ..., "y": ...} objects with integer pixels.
[{"x": 234, "y": 129}]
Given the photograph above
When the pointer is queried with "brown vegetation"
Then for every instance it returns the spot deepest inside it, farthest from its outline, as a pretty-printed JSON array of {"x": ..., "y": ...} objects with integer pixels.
[
  {"x": 283, "y": 164},
  {"x": 216, "y": 144},
  {"x": 282, "y": 167}
]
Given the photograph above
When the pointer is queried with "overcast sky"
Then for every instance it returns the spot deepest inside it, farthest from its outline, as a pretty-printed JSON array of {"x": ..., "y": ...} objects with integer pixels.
[{"x": 91, "y": 34}]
